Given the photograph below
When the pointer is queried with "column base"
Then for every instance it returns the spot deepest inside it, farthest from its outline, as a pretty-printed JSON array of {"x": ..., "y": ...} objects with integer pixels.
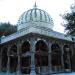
[
  {"x": 32, "y": 72},
  {"x": 18, "y": 72}
]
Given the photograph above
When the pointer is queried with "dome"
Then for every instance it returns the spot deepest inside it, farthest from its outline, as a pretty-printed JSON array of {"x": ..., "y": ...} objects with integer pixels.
[{"x": 35, "y": 15}]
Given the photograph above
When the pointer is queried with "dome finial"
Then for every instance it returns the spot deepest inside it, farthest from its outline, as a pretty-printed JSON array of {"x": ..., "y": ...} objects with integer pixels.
[{"x": 35, "y": 6}]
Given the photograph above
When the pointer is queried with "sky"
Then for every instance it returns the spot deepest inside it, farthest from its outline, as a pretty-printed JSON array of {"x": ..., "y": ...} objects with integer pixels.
[{"x": 10, "y": 10}]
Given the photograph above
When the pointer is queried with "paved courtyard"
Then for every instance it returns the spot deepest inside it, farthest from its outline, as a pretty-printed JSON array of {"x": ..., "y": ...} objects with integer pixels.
[
  {"x": 66, "y": 74},
  {"x": 51, "y": 74}
]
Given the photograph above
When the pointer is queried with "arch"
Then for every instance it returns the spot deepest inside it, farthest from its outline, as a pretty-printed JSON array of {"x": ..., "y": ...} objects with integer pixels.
[
  {"x": 13, "y": 58},
  {"x": 67, "y": 57},
  {"x": 41, "y": 55},
  {"x": 25, "y": 47},
  {"x": 4, "y": 59},
  {"x": 56, "y": 57},
  {"x": 41, "y": 45},
  {"x": 25, "y": 58},
  {"x": 41, "y": 39},
  {"x": 13, "y": 50},
  {"x": 66, "y": 48}
]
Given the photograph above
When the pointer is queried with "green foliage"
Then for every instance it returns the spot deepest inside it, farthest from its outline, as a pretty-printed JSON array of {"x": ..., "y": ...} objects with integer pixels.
[
  {"x": 70, "y": 22},
  {"x": 7, "y": 29}
]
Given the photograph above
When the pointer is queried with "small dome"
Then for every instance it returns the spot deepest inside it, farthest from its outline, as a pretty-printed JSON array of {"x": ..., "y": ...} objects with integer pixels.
[{"x": 35, "y": 15}]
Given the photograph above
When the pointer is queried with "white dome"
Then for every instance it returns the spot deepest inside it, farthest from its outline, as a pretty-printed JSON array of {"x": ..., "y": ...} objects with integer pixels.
[{"x": 35, "y": 15}]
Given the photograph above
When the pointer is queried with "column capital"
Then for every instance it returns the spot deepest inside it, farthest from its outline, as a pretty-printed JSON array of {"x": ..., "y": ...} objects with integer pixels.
[
  {"x": 32, "y": 45},
  {"x": 8, "y": 51},
  {"x": 49, "y": 47}
]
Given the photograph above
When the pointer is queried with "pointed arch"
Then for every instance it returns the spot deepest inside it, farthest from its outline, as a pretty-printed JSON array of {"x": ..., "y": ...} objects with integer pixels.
[
  {"x": 41, "y": 55},
  {"x": 56, "y": 57},
  {"x": 25, "y": 47},
  {"x": 25, "y": 57},
  {"x": 13, "y": 50}
]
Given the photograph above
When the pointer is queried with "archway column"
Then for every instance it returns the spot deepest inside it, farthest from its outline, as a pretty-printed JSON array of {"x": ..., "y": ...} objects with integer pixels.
[
  {"x": 8, "y": 62},
  {"x": 69, "y": 58},
  {"x": 1, "y": 59},
  {"x": 71, "y": 47},
  {"x": 18, "y": 53},
  {"x": 32, "y": 48},
  {"x": 71, "y": 51},
  {"x": 49, "y": 58},
  {"x": 62, "y": 59},
  {"x": 67, "y": 66}
]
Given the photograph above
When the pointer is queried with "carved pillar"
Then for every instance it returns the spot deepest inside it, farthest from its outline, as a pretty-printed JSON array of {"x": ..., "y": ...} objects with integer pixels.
[
  {"x": 69, "y": 58},
  {"x": 72, "y": 53},
  {"x": 32, "y": 47},
  {"x": 8, "y": 62},
  {"x": 1, "y": 59},
  {"x": 49, "y": 58},
  {"x": 67, "y": 62},
  {"x": 62, "y": 58},
  {"x": 18, "y": 52}
]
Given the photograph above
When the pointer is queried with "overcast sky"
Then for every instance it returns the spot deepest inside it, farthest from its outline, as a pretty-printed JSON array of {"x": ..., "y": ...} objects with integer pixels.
[{"x": 10, "y": 10}]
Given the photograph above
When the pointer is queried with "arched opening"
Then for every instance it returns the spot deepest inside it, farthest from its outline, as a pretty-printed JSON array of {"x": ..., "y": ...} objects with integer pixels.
[
  {"x": 13, "y": 50},
  {"x": 56, "y": 57},
  {"x": 13, "y": 58},
  {"x": 25, "y": 47},
  {"x": 41, "y": 57},
  {"x": 67, "y": 57},
  {"x": 25, "y": 58},
  {"x": 4, "y": 59}
]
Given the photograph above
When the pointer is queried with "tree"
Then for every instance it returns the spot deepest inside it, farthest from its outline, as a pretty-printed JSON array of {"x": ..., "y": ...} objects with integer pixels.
[
  {"x": 70, "y": 21},
  {"x": 7, "y": 29}
]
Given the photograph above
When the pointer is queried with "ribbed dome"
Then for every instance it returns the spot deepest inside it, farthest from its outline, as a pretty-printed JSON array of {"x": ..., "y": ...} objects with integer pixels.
[{"x": 35, "y": 15}]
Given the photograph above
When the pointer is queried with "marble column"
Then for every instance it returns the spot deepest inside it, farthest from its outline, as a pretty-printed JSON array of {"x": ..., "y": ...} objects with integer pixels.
[
  {"x": 49, "y": 58},
  {"x": 71, "y": 51},
  {"x": 1, "y": 59},
  {"x": 69, "y": 58},
  {"x": 8, "y": 62},
  {"x": 18, "y": 53},
  {"x": 32, "y": 48},
  {"x": 62, "y": 58}
]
